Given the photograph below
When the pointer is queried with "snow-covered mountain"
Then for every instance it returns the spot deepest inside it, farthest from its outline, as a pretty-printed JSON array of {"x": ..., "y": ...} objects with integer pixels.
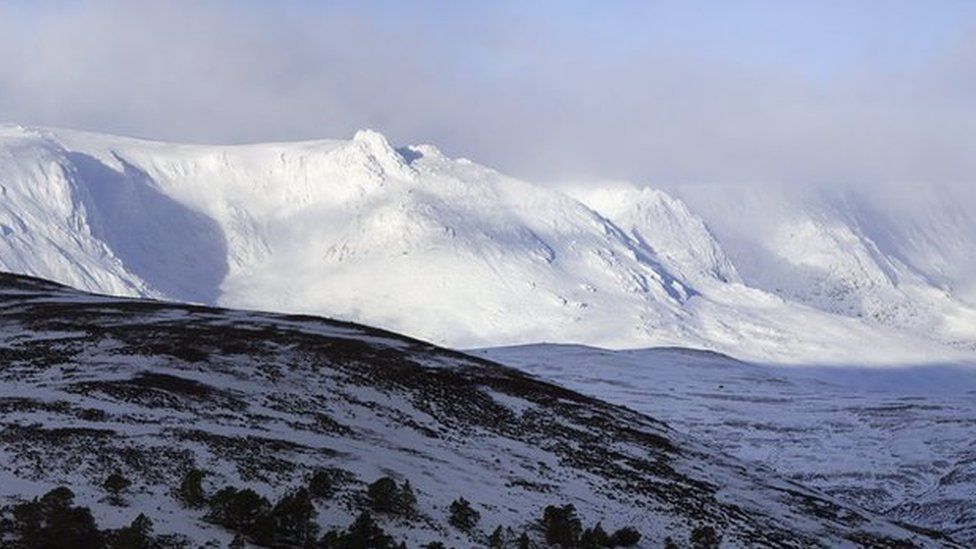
[
  {"x": 906, "y": 261},
  {"x": 453, "y": 252},
  {"x": 98, "y": 387}
]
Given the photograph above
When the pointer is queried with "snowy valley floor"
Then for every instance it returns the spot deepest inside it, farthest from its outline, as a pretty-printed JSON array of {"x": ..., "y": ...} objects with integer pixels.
[{"x": 900, "y": 441}]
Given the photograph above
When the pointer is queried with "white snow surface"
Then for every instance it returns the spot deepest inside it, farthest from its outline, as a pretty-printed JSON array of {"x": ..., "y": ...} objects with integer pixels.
[{"x": 461, "y": 255}]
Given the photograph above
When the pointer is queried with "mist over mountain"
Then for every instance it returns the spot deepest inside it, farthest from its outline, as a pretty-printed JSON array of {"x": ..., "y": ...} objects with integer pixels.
[{"x": 798, "y": 94}]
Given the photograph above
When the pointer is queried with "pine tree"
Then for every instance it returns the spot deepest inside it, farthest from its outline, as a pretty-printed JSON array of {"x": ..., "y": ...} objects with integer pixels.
[
  {"x": 238, "y": 542},
  {"x": 293, "y": 519},
  {"x": 138, "y": 535},
  {"x": 383, "y": 495},
  {"x": 705, "y": 537},
  {"x": 594, "y": 538},
  {"x": 408, "y": 500},
  {"x": 239, "y": 510},
  {"x": 191, "y": 489},
  {"x": 363, "y": 532},
  {"x": 142, "y": 526},
  {"x": 463, "y": 516},
  {"x": 321, "y": 486},
  {"x": 54, "y": 521},
  {"x": 627, "y": 536},
  {"x": 496, "y": 540},
  {"x": 115, "y": 485},
  {"x": 561, "y": 525},
  {"x": 59, "y": 498}
]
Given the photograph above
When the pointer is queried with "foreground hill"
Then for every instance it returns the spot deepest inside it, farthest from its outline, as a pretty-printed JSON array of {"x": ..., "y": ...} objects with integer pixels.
[
  {"x": 91, "y": 385},
  {"x": 456, "y": 253}
]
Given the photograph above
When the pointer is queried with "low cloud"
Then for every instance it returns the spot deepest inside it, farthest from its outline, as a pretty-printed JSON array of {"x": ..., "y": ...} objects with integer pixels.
[{"x": 508, "y": 94}]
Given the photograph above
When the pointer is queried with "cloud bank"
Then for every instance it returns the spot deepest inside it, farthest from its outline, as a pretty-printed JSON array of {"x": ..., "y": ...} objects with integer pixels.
[{"x": 507, "y": 88}]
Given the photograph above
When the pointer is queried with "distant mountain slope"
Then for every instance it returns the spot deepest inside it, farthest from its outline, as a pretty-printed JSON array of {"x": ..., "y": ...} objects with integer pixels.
[
  {"x": 94, "y": 384},
  {"x": 896, "y": 440},
  {"x": 411, "y": 240},
  {"x": 902, "y": 257}
]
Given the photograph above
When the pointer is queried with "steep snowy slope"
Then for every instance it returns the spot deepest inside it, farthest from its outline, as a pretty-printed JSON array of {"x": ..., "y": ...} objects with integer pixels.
[
  {"x": 666, "y": 226},
  {"x": 93, "y": 384},
  {"x": 44, "y": 227},
  {"x": 408, "y": 239},
  {"x": 899, "y": 441}
]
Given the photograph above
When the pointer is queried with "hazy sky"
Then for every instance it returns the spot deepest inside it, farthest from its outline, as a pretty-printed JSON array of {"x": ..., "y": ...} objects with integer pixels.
[{"x": 654, "y": 92}]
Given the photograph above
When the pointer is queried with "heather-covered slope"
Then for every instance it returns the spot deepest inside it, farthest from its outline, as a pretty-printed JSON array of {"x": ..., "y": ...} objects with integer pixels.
[{"x": 92, "y": 384}]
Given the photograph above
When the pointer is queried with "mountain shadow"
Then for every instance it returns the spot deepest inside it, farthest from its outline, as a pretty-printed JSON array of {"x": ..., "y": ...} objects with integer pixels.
[{"x": 173, "y": 248}]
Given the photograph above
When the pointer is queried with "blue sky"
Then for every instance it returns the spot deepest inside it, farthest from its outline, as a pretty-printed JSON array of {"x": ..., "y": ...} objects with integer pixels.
[{"x": 647, "y": 91}]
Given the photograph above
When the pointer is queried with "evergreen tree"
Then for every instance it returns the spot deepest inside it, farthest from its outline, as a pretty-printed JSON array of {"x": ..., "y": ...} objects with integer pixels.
[
  {"x": 627, "y": 536},
  {"x": 138, "y": 535},
  {"x": 29, "y": 522},
  {"x": 463, "y": 516},
  {"x": 670, "y": 544},
  {"x": 191, "y": 489},
  {"x": 239, "y": 510},
  {"x": 383, "y": 495},
  {"x": 705, "y": 537},
  {"x": 115, "y": 485},
  {"x": 407, "y": 499},
  {"x": 238, "y": 542},
  {"x": 523, "y": 541},
  {"x": 497, "y": 539},
  {"x": 142, "y": 526},
  {"x": 561, "y": 525},
  {"x": 59, "y": 498},
  {"x": 321, "y": 486},
  {"x": 594, "y": 538},
  {"x": 363, "y": 533},
  {"x": 263, "y": 530},
  {"x": 54, "y": 521},
  {"x": 293, "y": 519}
]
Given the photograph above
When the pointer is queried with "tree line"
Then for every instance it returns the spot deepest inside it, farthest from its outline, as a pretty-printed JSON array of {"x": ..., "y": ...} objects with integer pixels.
[{"x": 54, "y": 521}]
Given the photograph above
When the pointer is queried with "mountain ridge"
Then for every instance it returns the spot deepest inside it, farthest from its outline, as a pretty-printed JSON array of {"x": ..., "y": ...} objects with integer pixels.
[{"x": 409, "y": 239}]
